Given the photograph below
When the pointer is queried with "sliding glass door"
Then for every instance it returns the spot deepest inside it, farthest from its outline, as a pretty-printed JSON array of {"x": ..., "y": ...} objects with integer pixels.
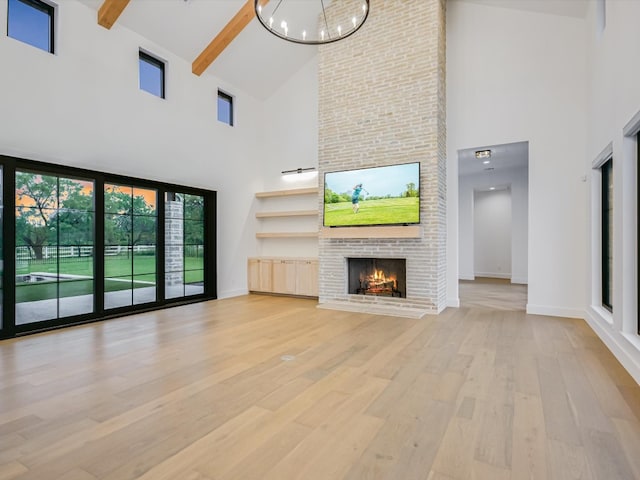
[
  {"x": 54, "y": 254},
  {"x": 84, "y": 245},
  {"x": 184, "y": 244},
  {"x": 130, "y": 233}
]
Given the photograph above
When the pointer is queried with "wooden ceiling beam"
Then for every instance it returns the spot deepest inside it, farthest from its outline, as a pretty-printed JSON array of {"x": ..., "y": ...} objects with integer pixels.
[
  {"x": 110, "y": 11},
  {"x": 225, "y": 37}
]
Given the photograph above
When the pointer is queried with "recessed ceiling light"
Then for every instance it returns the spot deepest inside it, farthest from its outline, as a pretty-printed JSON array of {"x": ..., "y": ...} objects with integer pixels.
[
  {"x": 483, "y": 154},
  {"x": 492, "y": 188},
  {"x": 487, "y": 162}
]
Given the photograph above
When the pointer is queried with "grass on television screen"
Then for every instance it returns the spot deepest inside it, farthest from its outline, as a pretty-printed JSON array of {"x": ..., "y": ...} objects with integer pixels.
[{"x": 373, "y": 212}]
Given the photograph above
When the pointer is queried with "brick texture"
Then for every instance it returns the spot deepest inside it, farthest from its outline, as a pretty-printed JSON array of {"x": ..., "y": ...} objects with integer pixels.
[{"x": 382, "y": 102}]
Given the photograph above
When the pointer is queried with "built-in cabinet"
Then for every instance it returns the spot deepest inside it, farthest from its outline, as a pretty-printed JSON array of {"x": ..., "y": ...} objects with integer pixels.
[
  {"x": 285, "y": 216},
  {"x": 287, "y": 276},
  {"x": 260, "y": 275},
  {"x": 307, "y": 278}
]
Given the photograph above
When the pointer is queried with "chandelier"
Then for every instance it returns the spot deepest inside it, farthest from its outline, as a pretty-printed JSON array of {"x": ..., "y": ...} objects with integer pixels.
[{"x": 312, "y": 22}]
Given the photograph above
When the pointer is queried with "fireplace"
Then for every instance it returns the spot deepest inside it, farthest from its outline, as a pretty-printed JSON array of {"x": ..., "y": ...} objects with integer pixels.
[{"x": 385, "y": 277}]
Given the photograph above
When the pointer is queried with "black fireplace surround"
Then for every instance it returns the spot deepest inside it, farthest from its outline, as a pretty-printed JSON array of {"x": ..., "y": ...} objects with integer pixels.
[{"x": 385, "y": 277}]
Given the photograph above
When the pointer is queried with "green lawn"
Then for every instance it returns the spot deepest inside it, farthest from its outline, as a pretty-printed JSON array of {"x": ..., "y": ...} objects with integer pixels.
[
  {"x": 118, "y": 270},
  {"x": 373, "y": 212}
]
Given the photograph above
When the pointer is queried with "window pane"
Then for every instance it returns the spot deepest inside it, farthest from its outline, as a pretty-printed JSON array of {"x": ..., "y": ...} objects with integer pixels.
[
  {"x": 151, "y": 75},
  {"x": 144, "y": 259},
  {"x": 117, "y": 199},
  {"x": 36, "y": 190},
  {"x": 174, "y": 285},
  {"x": 225, "y": 108},
  {"x": 144, "y": 289},
  {"x": 194, "y": 207},
  {"x": 118, "y": 292},
  {"x": 194, "y": 282},
  {"x": 76, "y": 194},
  {"x": 174, "y": 205},
  {"x": 75, "y": 227},
  {"x": 193, "y": 232},
  {"x": 118, "y": 261},
  {"x": 31, "y": 22},
  {"x": 194, "y": 257},
  {"x": 144, "y": 231},
  {"x": 144, "y": 201},
  {"x": 76, "y": 296},
  {"x": 36, "y": 300},
  {"x": 117, "y": 229},
  {"x": 75, "y": 263}
]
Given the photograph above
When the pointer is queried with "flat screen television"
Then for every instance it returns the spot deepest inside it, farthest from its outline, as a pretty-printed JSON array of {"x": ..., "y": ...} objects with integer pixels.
[{"x": 388, "y": 195}]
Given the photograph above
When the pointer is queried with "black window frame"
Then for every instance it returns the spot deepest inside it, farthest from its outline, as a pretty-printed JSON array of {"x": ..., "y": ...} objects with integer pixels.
[
  {"x": 9, "y": 329},
  {"x": 156, "y": 62},
  {"x": 606, "y": 171},
  {"x": 229, "y": 99},
  {"x": 50, "y": 10}
]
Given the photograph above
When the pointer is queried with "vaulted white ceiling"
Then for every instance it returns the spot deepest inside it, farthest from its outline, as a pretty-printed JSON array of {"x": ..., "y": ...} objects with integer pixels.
[{"x": 256, "y": 61}]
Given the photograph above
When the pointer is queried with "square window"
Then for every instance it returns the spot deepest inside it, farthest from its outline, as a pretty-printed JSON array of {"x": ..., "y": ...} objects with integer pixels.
[
  {"x": 225, "y": 108},
  {"x": 151, "y": 75},
  {"x": 31, "y": 22}
]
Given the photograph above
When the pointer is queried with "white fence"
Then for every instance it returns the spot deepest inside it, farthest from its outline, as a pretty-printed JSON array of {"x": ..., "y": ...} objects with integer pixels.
[{"x": 24, "y": 253}]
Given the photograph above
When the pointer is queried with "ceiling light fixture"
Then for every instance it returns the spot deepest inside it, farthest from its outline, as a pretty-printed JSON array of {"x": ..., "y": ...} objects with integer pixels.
[
  {"x": 480, "y": 154},
  {"x": 312, "y": 22}
]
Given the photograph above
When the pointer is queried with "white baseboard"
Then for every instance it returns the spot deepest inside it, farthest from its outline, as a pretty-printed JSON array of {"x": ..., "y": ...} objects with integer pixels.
[
  {"x": 453, "y": 302},
  {"x": 520, "y": 280},
  {"x": 625, "y": 349},
  {"x": 493, "y": 275},
  {"x": 232, "y": 293},
  {"x": 466, "y": 277},
  {"x": 555, "y": 311}
]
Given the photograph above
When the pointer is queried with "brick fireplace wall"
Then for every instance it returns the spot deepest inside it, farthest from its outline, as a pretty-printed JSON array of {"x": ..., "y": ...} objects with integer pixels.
[{"x": 382, "y": 102}]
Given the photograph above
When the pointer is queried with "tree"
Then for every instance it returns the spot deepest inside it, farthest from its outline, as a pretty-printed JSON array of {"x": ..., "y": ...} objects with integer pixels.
[
  {"x": 411, "y": 190},
  {"x": 193, "y": 220},
  {"x": 40, "y": 200},
  {"x": 129, "y": 219}
]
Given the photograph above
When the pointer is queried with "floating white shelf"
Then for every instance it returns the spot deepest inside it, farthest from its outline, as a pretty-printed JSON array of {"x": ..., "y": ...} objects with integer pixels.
[
  {"x": 287, "y": 235},
  {"x": 291, "y": 213},
  {"x": 286, "y": 193}
]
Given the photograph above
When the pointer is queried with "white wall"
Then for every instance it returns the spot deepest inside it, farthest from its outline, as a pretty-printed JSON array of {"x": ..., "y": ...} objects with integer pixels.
[
  {"x": 492, "y": 233},
  {"x": 290, "y": 141},
  {"x": 517, "y": 180},
  {"x": 514, "y": 75},
  {"x": 614, "y": 100},
  {"x": 82, "y": 107}
]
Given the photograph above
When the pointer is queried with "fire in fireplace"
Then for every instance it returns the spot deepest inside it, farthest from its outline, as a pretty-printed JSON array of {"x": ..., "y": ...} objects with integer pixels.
[{"x": 377, "y": 276}]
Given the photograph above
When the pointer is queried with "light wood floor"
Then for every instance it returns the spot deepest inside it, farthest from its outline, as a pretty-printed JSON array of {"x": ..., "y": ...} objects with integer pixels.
[
  {"x": 207, "y": 391},
  {"x": 493, "y": 293}
]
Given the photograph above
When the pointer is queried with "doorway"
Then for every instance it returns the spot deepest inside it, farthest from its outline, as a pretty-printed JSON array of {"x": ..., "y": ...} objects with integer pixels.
[{"x": 493, "y": 192}]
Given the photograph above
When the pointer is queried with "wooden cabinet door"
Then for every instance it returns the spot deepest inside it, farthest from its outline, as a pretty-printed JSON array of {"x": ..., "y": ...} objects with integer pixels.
[
  {"x": 253, "y": 274},
  {"x": 307, "y": 278},
  {"x": 266, "y": 276},
  {"x": 259, "y": 275},
  {"x": 284, "y": 276}
]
